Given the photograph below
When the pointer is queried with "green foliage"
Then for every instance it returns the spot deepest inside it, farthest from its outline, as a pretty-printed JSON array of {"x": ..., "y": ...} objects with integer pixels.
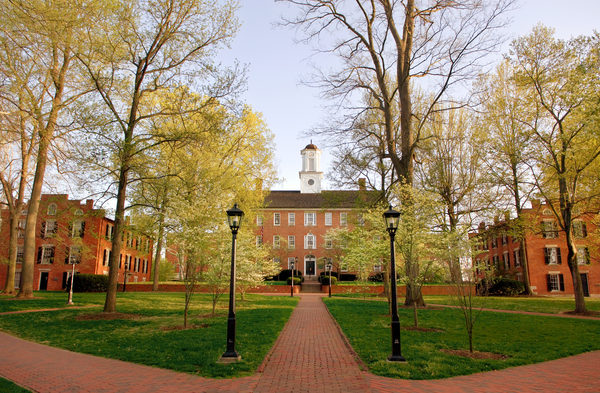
[
  {"x": 325, "y": 280},
  {"x": 297, "y": 280},
  {"x": 7, "y": 386},
  {"x": 165, "y": 270},
  {"x": 506, "y": 287},
  {"x": 287, "y": 273},
  {"x": 89, "y": 283}
]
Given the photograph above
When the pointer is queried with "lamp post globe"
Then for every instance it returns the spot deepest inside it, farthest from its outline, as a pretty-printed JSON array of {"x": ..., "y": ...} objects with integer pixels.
[
  {"x": 293, "y": 266},
  {"x": 329, "y": 267},
  {"x": 234, "y": 218},
  {"x": 392, "y": 220}
]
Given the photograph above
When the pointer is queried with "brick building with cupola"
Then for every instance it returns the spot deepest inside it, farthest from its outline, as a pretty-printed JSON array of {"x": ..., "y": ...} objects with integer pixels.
[
  {"x": 296, "y": 222},
  {"x": 73, "y": 232},
  {"x": 546, "y": 249}
]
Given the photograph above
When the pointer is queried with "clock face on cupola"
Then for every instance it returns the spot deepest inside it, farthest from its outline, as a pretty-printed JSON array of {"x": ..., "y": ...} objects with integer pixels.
[{"x": 311, "y": 175}]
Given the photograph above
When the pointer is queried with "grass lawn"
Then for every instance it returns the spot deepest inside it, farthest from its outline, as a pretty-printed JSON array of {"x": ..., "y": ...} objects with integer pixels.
[
  {"x": 152, "y": 339},
  {"x": 9, "y": 387},
  {"x": 549, "y": 305},
  {"x": 525, "y": 339},
  {"x": 45, "y": 299}
]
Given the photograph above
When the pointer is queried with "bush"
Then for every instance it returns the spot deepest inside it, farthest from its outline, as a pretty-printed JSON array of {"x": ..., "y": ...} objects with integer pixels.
[
  {"x": 297, "y": 281},
  {"x": 88, "y": 283},
  {"x": 506, "y": 287},
  {"x": 333, "y": 274},
  {"x": 325, "y": 280},
  {"x": 377, "y": 277},
  {"x": 285, "y": 274},
  {"x": 348, "y": 277}
]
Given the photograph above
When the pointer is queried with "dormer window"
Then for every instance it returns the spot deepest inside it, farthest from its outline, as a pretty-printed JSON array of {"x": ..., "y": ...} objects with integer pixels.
[
  {"x": 79, "y": 212},
  {"x": 52, "y": 209}
]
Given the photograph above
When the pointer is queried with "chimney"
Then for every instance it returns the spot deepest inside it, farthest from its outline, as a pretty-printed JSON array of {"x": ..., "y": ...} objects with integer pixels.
[
  {"x": 89, "y": 203},
  {"x": 481, "y": 227},
  {"x": 362, "y": 184}
]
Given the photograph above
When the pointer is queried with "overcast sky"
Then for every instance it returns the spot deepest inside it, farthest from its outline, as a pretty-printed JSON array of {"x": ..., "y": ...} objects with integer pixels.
[{"x": 276, "y": 65}]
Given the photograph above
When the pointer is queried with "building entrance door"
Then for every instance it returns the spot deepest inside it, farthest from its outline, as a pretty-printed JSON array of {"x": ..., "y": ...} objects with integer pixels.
[
  {"x": 584, "y": 284},
  {"x": 43, "y": 281},
  {"x": 310, "y": 265}
]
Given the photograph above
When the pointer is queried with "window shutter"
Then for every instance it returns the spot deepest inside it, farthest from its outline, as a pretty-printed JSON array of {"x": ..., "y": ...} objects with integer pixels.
[
  {"x": 583, "y": 229},
  {"x": 587, "y": 256},
  {"x": 544, "y": 233},
  {"x": 305, "y": 242},
  {"x": 120, "y": 260},
  {"x": 562, "y": 282},
  {"x": 546, "y": 256},
  {"x": 82, "y": 229},
  {"x": 558, "y": 258},
  {"x": 67, "y": 252},
  {"x": 40, "y": 251},
  {"x": 43, "y": 231},
  {"x": 548, "y": 282},
  {"x": 52, "y": 254}
]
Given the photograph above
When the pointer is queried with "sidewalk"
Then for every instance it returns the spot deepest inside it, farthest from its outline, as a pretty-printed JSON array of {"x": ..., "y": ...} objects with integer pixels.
[{"x": 309, "y": 356}]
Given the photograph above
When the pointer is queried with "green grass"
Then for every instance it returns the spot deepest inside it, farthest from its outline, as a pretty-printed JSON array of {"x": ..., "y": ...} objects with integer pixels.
[
  {"x": 45, "y": 299},
  {"x": 260, "y": 319},
  {"x": 549, "y": 305},
  {"x": 525, "y": 339},
  {"x": 7, "y": 386}
]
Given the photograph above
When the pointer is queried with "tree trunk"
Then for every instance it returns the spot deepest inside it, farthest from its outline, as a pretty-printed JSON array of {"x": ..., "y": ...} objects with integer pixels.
[
  {"x": 9, "y": 287},
  {"x": 159, "y": 242}
]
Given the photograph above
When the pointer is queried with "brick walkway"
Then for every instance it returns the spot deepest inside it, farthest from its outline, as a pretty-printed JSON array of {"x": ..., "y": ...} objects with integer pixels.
[{"x": 309, "y": 356}]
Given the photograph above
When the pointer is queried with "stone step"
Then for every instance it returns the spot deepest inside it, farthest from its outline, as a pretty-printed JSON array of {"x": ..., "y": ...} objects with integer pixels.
[{"x": 311, "y": 287}]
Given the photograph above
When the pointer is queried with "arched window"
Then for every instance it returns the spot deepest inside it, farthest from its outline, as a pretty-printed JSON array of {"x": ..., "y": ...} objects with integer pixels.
[
  {"x": 52, "y": 209},
  {"x": 547, "y": 212},
  {"x": 79, "y": 212}
]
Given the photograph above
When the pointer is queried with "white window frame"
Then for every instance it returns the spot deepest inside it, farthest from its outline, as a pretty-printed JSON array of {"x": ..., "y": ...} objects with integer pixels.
[
  {"x": 50, "y": 230},
  {"x": 277, "y": 260},
  {"x": 578, "y": 229},
  {"x": 46, "y": 259},
  {"x": 582, "y": 255},
  {"x": 328, "y": 244},
  {"x": 552, "y": 255},
  {"x": 52, "y": 208},
  {"x": 310, "y": 219},
  {"x": 276, "y": 219},
  {"x": 290, "y": 260},
  {"x": 506, "y": 260},
  {"x": 21, "y": 228},
  {"x": 20, "y": 253},
  {"x": 259, "y": 240},
  {"x": 276, "y": 242},
  {"x": 74, "y": 254},
  {"x": 517, "y": 255},
  {"x": 554, "y": 282},
  {"x": 343, "y": 219},
  {"x": 550, "y": 229},
  {"x": 343, "y": 266},
  {"x": 328, "y": 219},
  {"x": 291, "y": 219},
  {"x": 259, "y": 221},
  {"x": 291, "y": 242},
  {"x": 78, "y": 228},
  {"x": 310, "y": 242}
]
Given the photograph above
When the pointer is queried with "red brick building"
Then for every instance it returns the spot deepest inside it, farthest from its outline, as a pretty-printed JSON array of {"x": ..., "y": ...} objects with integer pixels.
[
  {"x": 549, "y": 272},
  {"x": 296, "y": 222},
  {"x": 69, "y": 231}
]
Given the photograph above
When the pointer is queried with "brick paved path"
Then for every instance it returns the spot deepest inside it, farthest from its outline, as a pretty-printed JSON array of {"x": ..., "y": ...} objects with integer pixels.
[{"x": 309, "y": 356}]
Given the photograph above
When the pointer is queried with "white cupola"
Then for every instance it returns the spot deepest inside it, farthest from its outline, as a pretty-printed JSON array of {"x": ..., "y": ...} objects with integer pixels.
[{"x": 311, "y": 175}]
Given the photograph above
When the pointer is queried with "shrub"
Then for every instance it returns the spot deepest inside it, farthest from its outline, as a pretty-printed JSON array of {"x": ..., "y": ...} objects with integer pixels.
[
  {"x": 333, "y": 274},
  {"x": 285, "y": 274},
  {"x": 377, "y": 277},
  {"x": 297, "y": 281},
  {"x": 348, "y": 277},
  {"x": 507, "y": 287},
  {"x": 325, "y": 280},
  {"x": 89, "y": 283}
]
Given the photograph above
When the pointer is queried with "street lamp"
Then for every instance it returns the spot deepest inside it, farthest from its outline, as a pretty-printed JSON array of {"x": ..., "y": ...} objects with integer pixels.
[
  {"x": 293, "y": 266},
  {"x": 73, "y": 262},
  {"x": 328, "y": 267},
  {"x": 392, "y": 218},
  {"x": 234, "y": 218}
]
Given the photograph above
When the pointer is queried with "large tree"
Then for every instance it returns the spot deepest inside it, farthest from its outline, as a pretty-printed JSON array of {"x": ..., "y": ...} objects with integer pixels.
[
  {"x": 560, "y": 79},
  {"x": 150, "y": 47},
  {"x": 385, "y": 50}
]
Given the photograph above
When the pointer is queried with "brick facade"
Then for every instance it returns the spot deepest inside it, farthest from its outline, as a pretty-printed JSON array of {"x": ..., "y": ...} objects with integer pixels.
[
  {"x": 69, "y": 231},
  {"x": 549, "y": 272}
]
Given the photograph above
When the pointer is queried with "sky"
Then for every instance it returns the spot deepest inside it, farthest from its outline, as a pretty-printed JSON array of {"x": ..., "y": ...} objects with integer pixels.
[{"x": 276, "y": 65}]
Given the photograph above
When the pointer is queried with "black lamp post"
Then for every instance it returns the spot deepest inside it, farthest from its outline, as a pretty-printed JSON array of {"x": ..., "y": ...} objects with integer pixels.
[
  {"x": 328, "y": 266},
  {"x": 392, "y": 218},
  {"x": 234, "y": 217},
  {"x": 293, "y": 266}
]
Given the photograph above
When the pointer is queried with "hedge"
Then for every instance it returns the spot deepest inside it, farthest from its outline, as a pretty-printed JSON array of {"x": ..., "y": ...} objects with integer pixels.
[
  {"x": 88, "y": 283},
  {"x": 325, "y": 280},
  {"x": 285, "y": 274}
]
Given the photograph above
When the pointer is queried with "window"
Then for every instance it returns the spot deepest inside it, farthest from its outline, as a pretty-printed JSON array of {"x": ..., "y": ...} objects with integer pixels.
[
  {"x": 494, "y": 242},
  {"x": 555, "y": 282},
  {"x": 310, "y": 219},
  {"x": 73, "y": 255},
  {"x": 549, "y": 229},
  {"x": 504, "y": 240},
  {"x": 277, "y": 219},
  {"x": 328, "y": 219},
  {"x": 277, "y": 261},
  {"x": 106, "y": 257},
  {"x": 138, "y": 243},
  {"x": 552, "y": 256},
  {"x": 276, "y": 242},
  {"x": 46, "y": 254},
  {"x": 344, "y": 243},
  {"x": 579, "y": 229},
  {"x": 517, "y": 257},
  {"x": 309, "y": 242},
  {"x": 506, "y": 260},
  {"x": 79, "y": 212},
  {"x": 129, "y": 239},
  {"x": 108, "y": 233},
  {"x": 291, "y": 242},
  {"x": 291, "y": 219},
  {"x": 20, "y": 252},
  {"x": 48, "y": 229},
  {"x": 17, "y": 279},
  {"x": 52, "y": 209},
  {"x": 486, "y": 244},
  {"x": 583, "y": 256},
  {"x": 343, "y": 219},
  {"x": 145, "y": 267},
  {"x": 547, "y": 212},
  {"x": 259, "y": 221},
  {"x": 343, "y": 266},
  {"x": 136, "y": 267},
  {"x": 495, "y": 260},
  {"x": 520, "y": 277},
  {"x": 311, "y": 164},
  {"x": 328, "y": 244},
  {"x": 486, "y": 262},
  {"x": 290, "y": 261},
  {"x": 377, "y": 268},
  {"x": 78, "y": 228},
  {"x": 259, "y": 240},
  {"x": 21, "y": 228}
]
